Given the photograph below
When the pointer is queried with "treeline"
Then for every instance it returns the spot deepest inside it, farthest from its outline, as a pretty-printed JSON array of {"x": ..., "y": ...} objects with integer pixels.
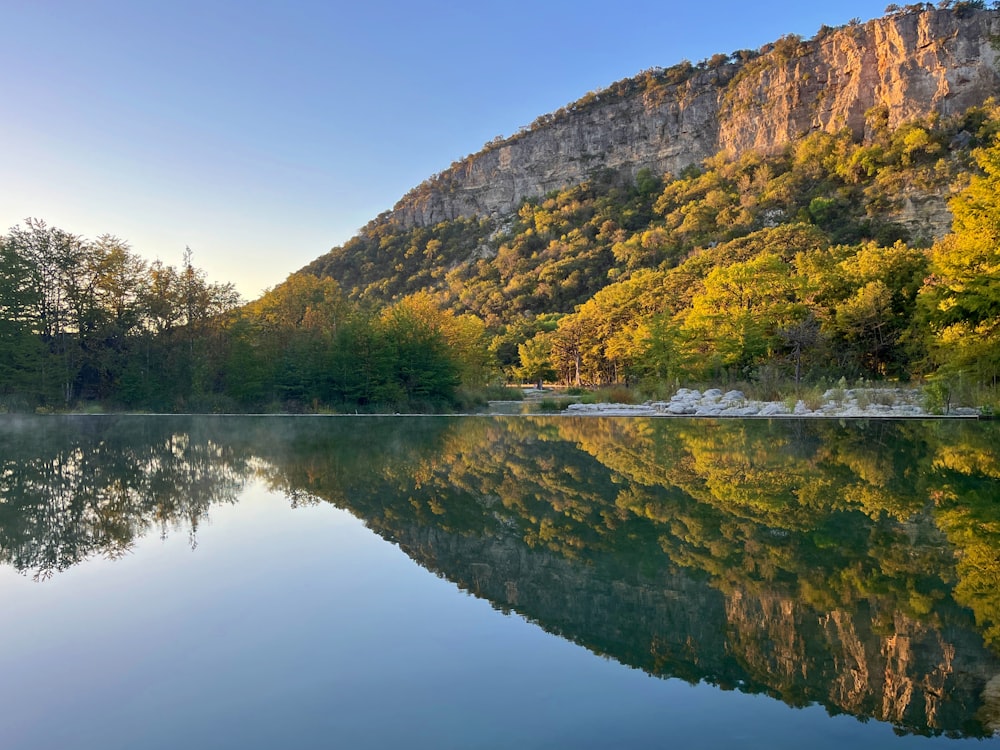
[
  {"x": 90, "y": 322},
  {"x": 303, "y": 345},
  {"x": 84, "y": 320}
]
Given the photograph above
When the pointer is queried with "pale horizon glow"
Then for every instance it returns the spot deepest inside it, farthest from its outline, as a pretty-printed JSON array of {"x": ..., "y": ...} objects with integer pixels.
[{"x": 261, "y": 134}]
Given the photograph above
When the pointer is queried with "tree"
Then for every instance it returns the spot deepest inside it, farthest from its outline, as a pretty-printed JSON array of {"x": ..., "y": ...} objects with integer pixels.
[
  {"x": 105, "y": 299},
  {"x": 465, "y": 336},
  {"x": 423, "y": 369},
  {"x": 798, "y": 338},
  {"x": 21, "y": 350},
  {"x": 181, "y": 349},
  {"x": 608, "y": 326},
  {"x": 865, "y": 322},
  {"x": 536, "y": 359},
  {"x": 961, "y": 298},
  {"x": 732, "y": 324}
]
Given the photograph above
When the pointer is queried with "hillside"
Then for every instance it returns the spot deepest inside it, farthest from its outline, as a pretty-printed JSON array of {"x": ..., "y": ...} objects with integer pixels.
[
  {"x": 820, "y": 173},
  {"x": 860, "y": 82}
]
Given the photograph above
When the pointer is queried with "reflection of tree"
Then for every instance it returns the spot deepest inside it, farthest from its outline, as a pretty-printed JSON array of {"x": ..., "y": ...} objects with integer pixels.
[
  {"x": 851, "y": 565},
  {"x": 77, "y": 487},
  {"x": 792, "y": 558},
  {"x": 964, "y": 490}
]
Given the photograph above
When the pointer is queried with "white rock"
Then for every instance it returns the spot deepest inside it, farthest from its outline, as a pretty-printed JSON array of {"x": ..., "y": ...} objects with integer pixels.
[
  {"x": 740, "y": 411},
  {"x": 704, "y": 410},
  {"x": 772, "y": 409}
]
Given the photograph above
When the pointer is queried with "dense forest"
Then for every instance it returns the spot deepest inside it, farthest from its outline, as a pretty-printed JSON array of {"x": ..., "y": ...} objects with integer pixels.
[{"x": 799, "y": 267}]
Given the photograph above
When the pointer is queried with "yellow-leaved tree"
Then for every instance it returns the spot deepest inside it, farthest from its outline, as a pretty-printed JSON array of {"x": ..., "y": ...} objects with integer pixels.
[{"x": 961, "y": 298}]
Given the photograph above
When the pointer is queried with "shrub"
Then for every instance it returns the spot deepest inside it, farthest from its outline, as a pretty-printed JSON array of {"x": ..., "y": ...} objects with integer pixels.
[
  {"x": 552, "y": 404},
  {"x": 937, "y": 397},
  {"x": 617, "y": 394}
]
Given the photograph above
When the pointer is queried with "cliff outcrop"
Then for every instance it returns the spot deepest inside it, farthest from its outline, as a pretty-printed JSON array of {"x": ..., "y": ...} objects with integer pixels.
[{"x": 881, "y": 73}]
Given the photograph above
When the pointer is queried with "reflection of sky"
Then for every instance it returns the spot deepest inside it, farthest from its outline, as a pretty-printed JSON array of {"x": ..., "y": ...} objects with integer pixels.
[{"x": 299, "y": 628}]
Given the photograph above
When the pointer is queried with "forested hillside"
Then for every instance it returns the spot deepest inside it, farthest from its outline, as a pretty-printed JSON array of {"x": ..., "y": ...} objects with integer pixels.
[{"x": 806, "y": 264}]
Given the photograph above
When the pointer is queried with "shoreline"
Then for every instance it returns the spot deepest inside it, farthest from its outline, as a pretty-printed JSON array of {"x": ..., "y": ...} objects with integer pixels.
[{"x": 835, "y": 403}]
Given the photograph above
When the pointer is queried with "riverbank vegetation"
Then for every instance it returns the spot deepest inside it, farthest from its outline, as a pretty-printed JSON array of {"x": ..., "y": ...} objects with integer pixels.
[{"x": 783, "y": 272}]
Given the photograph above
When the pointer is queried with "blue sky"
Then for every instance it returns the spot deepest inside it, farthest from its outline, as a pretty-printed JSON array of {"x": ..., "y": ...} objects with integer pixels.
[{"x": 263, "y": 133}]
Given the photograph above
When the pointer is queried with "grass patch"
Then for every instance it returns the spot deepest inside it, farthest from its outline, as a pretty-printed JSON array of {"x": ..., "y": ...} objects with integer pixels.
[
  {"x": 884, "y": 396},
  {"x": 617, "y": 394},
  {"x": 554, "y": 404},
  {"x": 813, "y": 398},
  {"x": 471, "y": 398}
]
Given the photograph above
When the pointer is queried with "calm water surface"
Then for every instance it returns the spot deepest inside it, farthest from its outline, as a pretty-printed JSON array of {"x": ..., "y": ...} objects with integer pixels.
[{"x": 498, "y": 582}]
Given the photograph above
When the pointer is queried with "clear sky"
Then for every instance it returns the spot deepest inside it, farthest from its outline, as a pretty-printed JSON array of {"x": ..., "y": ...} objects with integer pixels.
[{"x": 262, "y": 133}]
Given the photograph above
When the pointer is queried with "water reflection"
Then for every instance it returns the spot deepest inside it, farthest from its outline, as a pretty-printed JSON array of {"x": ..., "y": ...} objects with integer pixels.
[{"x": 852, "y": 565}]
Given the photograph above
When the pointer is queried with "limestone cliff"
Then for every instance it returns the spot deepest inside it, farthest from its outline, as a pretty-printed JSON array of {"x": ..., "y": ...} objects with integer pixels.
[{"x": 897, "y": 68}]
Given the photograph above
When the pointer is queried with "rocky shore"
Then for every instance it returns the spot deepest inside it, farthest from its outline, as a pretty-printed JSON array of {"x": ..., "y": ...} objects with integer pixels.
[{"x": 892, "y": 403}]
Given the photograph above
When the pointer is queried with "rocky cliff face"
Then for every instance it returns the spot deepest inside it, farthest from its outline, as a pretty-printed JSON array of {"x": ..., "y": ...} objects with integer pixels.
[{"x": 903, "y": 66}]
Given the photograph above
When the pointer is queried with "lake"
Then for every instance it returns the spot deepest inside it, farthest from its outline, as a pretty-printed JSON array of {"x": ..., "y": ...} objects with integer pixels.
[{"x": 496, "y": 582}]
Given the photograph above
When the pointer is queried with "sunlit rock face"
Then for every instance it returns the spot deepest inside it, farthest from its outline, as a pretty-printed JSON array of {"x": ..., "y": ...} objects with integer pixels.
[
  {"x": 912, "y": 65},
  {"x": 889, "y": 71}
]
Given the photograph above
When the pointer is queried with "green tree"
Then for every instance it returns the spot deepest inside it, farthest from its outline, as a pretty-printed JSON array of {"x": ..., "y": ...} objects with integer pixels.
[
  {"x": 22, "y": 354},
  {"x": 53, "y": 258},
  {"x": 732, "y": 324},
  {"x": 464, "y": 335},
  {"x": 423, "y": 369},
  {"x": 536, "y": 359},
  {"x": 961, "y": 299}
]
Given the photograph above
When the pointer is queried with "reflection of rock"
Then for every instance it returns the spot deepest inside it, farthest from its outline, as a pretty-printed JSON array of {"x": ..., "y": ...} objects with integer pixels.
[
  {"x": 989, "y": 714},
  {"x": 864, "y": 661},
  {"x": 797, "y": 559}
]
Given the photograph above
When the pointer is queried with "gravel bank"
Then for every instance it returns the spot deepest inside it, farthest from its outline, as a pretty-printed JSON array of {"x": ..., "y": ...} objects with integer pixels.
[{"x": 893, "y": 403}]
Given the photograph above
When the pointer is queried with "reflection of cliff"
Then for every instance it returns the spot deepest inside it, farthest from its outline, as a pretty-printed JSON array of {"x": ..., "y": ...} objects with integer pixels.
[
  {"x": 801, "y": 560},
  {"x": 851, "y": 565},
  {"x": 857, "y": 659}
]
